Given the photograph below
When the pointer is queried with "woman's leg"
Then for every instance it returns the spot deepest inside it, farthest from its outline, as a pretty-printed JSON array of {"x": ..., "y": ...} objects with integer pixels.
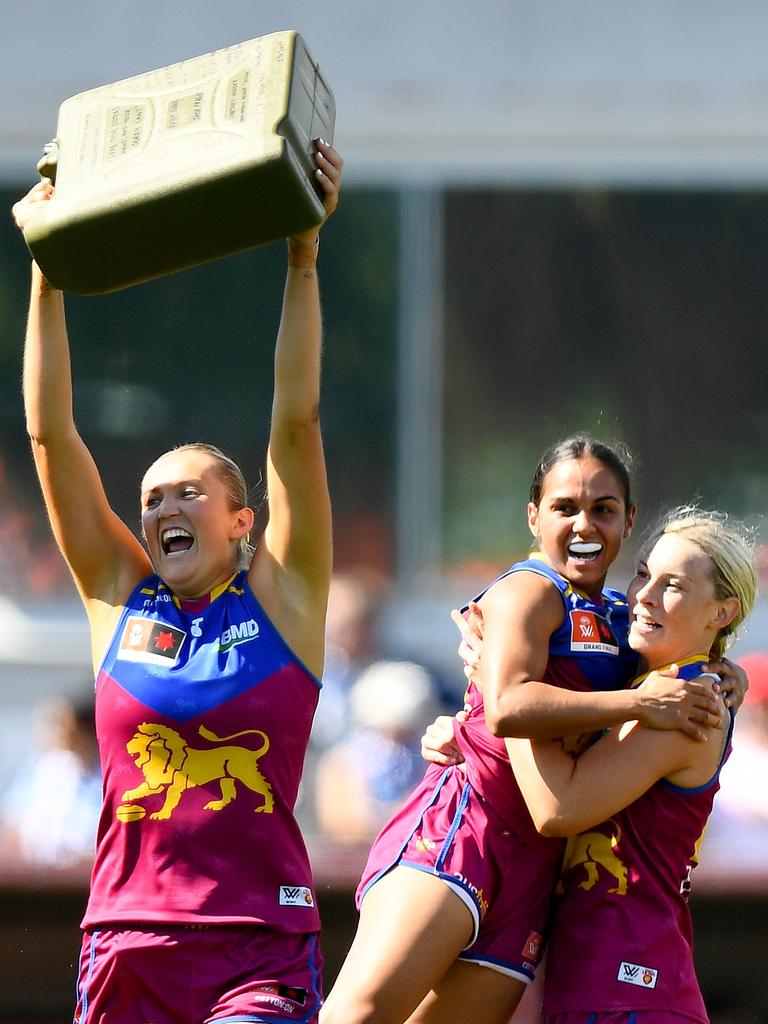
[
  {"x": 412, "y": 927},
  {"x": 469, "y": 992}
]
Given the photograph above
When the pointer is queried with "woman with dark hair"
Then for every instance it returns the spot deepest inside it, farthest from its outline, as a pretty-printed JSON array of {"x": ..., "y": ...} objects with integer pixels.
[{"x": 456, "y": 893}]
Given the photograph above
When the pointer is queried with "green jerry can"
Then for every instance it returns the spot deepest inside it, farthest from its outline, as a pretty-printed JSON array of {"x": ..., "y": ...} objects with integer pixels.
[{"x": 183, "y": 165}]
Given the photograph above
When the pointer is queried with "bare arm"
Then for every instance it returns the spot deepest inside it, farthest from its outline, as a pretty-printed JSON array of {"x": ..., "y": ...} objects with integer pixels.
[
  {"x": 342, "y": 801},
  {"x": 104, "y": 557},
  {"x": 519, "y": 615},
  {"x": 505, "y": 644},
  {"x": 291, "y": 569},
  {"x": 566, "y": 796}
]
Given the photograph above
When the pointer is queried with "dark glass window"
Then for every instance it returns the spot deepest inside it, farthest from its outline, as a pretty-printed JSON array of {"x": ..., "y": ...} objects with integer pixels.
[
  {"x": 189, "y": 357},
  {"x": 632, "y": 315}
]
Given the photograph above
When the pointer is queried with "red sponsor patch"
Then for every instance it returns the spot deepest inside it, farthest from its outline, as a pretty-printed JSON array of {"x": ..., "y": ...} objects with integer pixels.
[
  {"x": 532, "y": 948},
  {"x": 584, "y": 626},
  {"x": 164, "y": 641}
]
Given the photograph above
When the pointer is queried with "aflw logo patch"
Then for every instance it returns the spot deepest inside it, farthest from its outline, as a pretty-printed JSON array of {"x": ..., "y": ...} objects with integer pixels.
[
  {"x": 591, "y": 632},
  {"x": 149, "y": 640},
  {"x": 296, "y": 896},
  {"x": 634, "y": 974}
]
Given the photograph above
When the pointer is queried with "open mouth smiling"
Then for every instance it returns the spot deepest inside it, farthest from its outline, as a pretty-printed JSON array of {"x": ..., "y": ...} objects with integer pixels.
[
  {"x": 175, "y": 540},
  {"x": 644, "y": 624},
  {"x": 585, "y": 552}
]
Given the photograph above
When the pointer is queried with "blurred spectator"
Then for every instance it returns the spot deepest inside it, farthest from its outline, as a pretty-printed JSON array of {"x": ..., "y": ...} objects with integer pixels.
[
  {"x": 353, "y": 605},
  {"x": 30, "y": 563},
  {"x": 738, "y": 829},
  {"x": 361, "y": 780},
  {"x": 50, "y": 812},
  {"x": 761, "y": 556}
]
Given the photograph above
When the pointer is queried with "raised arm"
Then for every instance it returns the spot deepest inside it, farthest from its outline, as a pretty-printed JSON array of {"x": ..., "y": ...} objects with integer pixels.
[
  {"x": 105, "y": 558},
  {"x": 291, "y": 569}
]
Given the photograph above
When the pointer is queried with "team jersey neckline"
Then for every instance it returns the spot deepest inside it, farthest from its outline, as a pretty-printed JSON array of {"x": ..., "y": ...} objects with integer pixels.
[
  {"x": 197, "y": 604},
  {"x": 694, "y": 659},
  {"x": 599, "y": 599}
]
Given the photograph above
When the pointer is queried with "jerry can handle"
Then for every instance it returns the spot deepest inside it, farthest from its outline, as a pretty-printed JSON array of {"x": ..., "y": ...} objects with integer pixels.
[{"x": 47, "y": 164}]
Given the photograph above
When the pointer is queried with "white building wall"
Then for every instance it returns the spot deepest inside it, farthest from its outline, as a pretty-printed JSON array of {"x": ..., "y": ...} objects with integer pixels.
[{"x": 542, "y": 90}]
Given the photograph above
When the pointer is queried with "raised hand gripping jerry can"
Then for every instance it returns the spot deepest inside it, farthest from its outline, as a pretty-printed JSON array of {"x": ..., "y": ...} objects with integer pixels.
[{"x": 183, "y": 165}]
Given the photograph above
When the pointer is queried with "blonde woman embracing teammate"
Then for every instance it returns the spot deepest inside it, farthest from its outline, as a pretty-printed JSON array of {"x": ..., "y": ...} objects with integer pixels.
[
  {"x": 456, "y": 894},
  {"x": 636, "y": 803}
]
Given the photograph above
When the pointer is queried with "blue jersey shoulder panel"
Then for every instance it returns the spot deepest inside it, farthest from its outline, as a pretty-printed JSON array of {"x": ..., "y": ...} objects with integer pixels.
[
  {"x": 183, "y": 663},
  {"x": 593, "y": 633}
]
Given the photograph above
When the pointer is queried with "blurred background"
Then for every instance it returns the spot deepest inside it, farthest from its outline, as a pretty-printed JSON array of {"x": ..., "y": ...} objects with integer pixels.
[{"x": 555, "y": 218}]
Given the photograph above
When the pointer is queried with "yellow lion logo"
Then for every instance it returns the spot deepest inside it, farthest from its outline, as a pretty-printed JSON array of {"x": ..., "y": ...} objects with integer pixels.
[
  {"x": 169, "y": 765},
  {"x": 593, "y": 850}
]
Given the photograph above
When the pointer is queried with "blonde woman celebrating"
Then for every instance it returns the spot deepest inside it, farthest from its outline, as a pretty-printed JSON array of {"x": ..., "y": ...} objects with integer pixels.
[
  {"x": 208, "y": 657},
  {"x": 636, "y": 803}
]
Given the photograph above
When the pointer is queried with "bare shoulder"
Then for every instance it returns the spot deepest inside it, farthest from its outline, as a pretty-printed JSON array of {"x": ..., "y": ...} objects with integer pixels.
[
  {"x": 703, "y": 757},
  {"x": 521, "y": 594},
  {"x": 662, "y": 753},
  {"x": 520, "y": 614},
  {"x": 294, "y": 607}
]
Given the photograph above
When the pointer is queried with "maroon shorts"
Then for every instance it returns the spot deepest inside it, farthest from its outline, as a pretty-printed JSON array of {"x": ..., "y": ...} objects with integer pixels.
[
  {"x": 445, "y": 828},
  {"x": 186, "y": 975}
]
